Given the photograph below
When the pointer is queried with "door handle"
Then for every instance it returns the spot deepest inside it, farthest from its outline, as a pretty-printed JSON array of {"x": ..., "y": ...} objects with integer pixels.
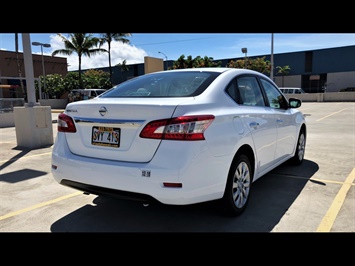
[{"x": 254, "y": 125}]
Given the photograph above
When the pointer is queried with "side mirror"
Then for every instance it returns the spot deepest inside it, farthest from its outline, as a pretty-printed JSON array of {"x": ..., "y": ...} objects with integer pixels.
[{"x": 294, "y": 102}]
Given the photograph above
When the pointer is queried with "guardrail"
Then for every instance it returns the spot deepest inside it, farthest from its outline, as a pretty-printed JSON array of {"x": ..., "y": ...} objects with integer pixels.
[
  {"x": 348, "y": 96},
  {"x": 7, "y": 104}
]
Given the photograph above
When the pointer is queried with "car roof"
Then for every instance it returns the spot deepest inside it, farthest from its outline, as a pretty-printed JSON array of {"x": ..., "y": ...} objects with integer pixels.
[
  {"x": 212, "y": 69},
  {"x": 209, "y": 69},
  {"x": 297, "y": 88},
  {"x": 89, "y": 90}
]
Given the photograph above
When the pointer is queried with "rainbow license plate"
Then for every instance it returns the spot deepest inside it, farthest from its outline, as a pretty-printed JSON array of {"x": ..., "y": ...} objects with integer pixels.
[{"x": 106, "y": 136}]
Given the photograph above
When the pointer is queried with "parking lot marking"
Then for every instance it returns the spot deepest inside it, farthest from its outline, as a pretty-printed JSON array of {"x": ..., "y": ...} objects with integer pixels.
[
  {"x": 330, "y": 114},
  {"x": 329, "y": 218},
  {"x": 11, "y": 214}
]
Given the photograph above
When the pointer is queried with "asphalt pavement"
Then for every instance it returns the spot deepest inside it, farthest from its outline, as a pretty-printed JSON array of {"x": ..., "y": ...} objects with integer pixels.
[{"x": 319, "y": 196}]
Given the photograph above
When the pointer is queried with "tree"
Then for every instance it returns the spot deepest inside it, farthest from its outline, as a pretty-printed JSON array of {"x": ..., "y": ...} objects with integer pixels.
[
  {"x": 55, "y": 86},
  {"x": 124, "y": 68},
  {"x": 123, "y": 65},
  {"x": 58, "y": 86},
  {"x": 283, "y": 71},
  {"x": 180, "y": 63},
  {"x": 82, "y": 44},
  {"x": 205, "y": 62},
  {"x": 96, "y": 79},
  {"x": 108, "y": 38},
  {"x": 258, "y": 64},
  {"x": 196, "y": 62}
]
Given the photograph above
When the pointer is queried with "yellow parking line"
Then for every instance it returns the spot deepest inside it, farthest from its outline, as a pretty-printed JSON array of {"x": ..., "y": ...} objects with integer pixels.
[
  {"x": 329, "y": 218},
  {"x": 11, "y": 214},
  {"x": 330, "y": 115}
]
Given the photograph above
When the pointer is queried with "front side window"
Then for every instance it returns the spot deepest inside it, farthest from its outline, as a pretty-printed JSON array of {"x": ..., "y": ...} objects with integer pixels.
[
  {"x": 275, "y": 98},
  {"x": 165, "y": 84}
]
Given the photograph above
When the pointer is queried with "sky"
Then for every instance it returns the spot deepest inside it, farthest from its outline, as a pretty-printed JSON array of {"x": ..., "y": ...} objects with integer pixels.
[{"x": 170, "y": 46}]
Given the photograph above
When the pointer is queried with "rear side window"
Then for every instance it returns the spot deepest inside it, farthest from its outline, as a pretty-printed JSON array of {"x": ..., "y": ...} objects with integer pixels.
[
  {"x": 165, "y": 84},
  {"x": 250, "y": 92},
  {"x": 98, "y": 92}
]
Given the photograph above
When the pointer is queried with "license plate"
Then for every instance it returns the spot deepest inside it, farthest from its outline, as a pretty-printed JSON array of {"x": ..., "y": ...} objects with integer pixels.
[{"x": 106, "y": 136}]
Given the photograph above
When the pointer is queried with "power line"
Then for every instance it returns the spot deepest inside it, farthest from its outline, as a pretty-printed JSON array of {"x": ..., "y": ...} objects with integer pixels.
[{"x": 186, "y": 40}]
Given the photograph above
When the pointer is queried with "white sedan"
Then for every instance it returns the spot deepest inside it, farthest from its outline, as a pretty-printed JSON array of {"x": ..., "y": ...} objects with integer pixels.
[{"x": 179, "y": 137}]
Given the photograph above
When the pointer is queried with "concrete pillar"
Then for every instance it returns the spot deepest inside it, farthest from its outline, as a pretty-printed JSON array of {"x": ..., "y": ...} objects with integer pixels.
[
  {"x": 33, "y": 126},
  {"x": 33, "y": 122},
  {"x": 30, "y": 80}
]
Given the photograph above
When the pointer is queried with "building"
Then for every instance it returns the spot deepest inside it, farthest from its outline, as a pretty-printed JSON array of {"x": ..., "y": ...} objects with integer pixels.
[
  {"x": 316, "y": 71},
  {"x": 12, "y": 71}
]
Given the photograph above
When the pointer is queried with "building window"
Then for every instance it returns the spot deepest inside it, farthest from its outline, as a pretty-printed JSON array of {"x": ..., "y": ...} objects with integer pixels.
[
  {"x": 314, "y": 83},
  {"x": 308, "y": 61}
]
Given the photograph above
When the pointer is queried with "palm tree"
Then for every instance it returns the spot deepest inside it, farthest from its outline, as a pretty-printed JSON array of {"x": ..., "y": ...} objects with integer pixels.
[
  {"x": 108, "y": 38},
  {"x": 82, "y": 44},
  {"x": 283, "y": 71},
  {"x": 124, "y": 68}
]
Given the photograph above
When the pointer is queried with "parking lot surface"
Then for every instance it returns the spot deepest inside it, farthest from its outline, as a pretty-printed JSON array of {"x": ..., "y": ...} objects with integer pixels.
[{"x": 318, "y": 196}]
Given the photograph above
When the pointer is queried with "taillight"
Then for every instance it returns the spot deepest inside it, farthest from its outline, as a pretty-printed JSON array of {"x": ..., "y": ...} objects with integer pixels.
[
  {"x": 65, "y": 124},
  {"x": 178, "y": 128}
]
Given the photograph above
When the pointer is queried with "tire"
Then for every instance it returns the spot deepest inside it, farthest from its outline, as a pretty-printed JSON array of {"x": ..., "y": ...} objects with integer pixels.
[
  {"x": 298, "y": 158},
  {"x": 238, "y": 187}
]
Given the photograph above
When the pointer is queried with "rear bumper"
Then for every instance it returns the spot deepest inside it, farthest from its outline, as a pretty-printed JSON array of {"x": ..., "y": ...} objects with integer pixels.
[
  {"x": 203, "y": 176},
  {"x": 125, "y": 195}
]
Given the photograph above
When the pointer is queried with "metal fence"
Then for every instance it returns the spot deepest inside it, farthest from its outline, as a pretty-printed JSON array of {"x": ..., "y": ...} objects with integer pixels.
[{"x": 7, "y": 104}]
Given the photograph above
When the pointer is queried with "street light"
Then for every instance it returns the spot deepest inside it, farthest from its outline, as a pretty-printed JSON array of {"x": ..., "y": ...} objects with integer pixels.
[
  {"x": 244, "y": 51},
  {"x": 166, "y": 58},
  {"x": 272, "y": 57},
  {"x": 47, "y": 45}
]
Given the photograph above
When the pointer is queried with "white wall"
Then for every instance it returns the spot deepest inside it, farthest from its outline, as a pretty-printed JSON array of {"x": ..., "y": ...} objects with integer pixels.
[
  {"x": 340, "y": 80},
  {"x": 335, "y": 81},
  {"x": 289, "y": 81}
]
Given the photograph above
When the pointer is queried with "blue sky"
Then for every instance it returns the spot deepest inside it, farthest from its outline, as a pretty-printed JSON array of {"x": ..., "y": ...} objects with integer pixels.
[{"x": 172, "y": 46}]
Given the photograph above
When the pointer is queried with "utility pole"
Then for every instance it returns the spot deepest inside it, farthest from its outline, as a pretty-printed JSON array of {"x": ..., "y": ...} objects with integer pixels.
[
  {"x": 272, "y": 57},
  {"x": 18, "y": 64}
]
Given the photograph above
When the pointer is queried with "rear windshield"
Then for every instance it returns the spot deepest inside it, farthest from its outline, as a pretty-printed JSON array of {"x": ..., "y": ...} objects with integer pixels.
[
  {"x": 98, "y": 92},
  {"x": 165, "y": 84}
]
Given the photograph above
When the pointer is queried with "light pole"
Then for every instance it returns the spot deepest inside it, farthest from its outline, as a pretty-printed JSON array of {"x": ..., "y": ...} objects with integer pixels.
[
  {"x": 47, "y": 45},
  {"x": 166, "y": 58},
  {"x": 245, "y": 51},
  {"x": 272, "y": 57}
]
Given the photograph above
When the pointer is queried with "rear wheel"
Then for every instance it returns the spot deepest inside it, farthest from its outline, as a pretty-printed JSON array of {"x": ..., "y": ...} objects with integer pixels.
[
  {"x": 237, "y": 191},
  {"x": 297, "y": 159}
]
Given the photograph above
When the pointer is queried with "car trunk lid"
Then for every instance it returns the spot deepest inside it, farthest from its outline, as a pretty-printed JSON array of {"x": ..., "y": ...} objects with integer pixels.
[{"x": 109, "y": 128}]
